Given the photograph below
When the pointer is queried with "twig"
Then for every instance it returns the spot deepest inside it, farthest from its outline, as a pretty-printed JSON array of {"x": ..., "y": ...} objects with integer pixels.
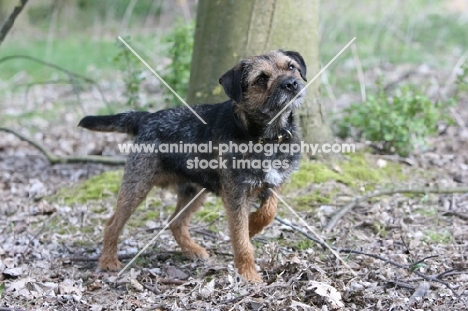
[
  {"x": 435, "y": 279},
  {"x": 402, "y": 284},
  {"x": 461, "y": 123},
  {"x": 72, "y": 76},
  {"x": 353, "y": 251},
  {"x": 152, "y": 289},
  {"x": 348, "y": 207},
  {"x": 67, "y": 159},
  {"x": 328, "y": 88},
  {"x": 451, "y": 272},
  {"x": 453, "y": 74},
  {"x": 424, "y": 259},
  {"x": 171, "y": 282},
  {"x": 44, "y": 225},
  {"x": 360, "y": 72},
  {"x": 127, "y": 16},
  {"x": 306, "y": 225},
  {"x": 406, "y": 267},
  {"x": 409, "y": 268},
  {"x": 394, "y": 83},
  {"x": 11, "y": 20},
  {"x": 304, "y": 233},
  {"x": 237, "y": 300}
]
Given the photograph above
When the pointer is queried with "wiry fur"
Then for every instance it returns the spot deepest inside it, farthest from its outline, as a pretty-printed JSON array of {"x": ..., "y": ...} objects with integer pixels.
[{"x": 253, "y": 102}]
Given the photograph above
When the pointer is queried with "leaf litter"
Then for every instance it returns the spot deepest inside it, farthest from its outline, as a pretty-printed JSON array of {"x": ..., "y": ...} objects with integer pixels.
[{"x": 48, "y": 249}]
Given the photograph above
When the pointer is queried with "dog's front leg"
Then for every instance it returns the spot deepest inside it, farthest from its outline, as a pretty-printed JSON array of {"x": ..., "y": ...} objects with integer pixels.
[
  {"x": 237, "y": 207},
  {"x": 265, "y": 214}
]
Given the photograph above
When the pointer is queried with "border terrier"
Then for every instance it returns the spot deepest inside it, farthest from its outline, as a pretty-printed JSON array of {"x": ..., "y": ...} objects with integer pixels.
[{"x": 258, "y": 89}]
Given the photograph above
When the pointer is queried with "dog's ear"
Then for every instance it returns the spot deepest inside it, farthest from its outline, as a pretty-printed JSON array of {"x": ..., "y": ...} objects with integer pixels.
[
  {"x": 232, "y": 82},
  {"x": 298, "y": 58}
]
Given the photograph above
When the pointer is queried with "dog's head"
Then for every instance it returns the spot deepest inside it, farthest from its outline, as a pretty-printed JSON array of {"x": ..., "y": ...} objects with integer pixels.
[{"x": 267, "y": 83}]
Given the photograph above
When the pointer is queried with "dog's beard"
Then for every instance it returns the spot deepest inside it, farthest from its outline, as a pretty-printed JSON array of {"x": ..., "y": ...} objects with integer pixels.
[{"x": 282, "y": 99}]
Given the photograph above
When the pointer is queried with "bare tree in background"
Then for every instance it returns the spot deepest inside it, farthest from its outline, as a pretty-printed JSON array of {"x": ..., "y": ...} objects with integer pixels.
[
  {"x": 228, "y": 31},
  {"x": 11, "y": 19}
]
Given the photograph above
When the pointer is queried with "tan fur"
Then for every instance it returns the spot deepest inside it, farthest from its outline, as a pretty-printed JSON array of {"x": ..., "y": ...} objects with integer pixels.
[{"x": 141, "y": 174}]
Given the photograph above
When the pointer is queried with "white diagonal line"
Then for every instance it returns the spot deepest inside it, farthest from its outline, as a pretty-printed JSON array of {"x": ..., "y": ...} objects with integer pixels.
[
  {"x": 161, "y": 79},
  {"x": 314, "y": 233},
  {"x": 313, "y": 79},
  {"x": 160, "y": 232}
]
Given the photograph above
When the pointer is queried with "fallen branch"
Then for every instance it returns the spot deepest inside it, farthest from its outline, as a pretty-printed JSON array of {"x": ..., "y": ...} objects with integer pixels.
[
  {"x": 72, "y": 76},
  {"x": 348, "y": 207},
  {"x": 67, "y": 159},
  {"x": 456, "y": 214},
  {"x": 303, "y": 232},
  {"x": 11, "y": 19},
  {"x": 153, "y": 289}
]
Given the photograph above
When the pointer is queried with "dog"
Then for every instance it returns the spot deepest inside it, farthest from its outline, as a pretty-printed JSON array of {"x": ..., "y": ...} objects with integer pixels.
[{"x": 259, "y": 88}]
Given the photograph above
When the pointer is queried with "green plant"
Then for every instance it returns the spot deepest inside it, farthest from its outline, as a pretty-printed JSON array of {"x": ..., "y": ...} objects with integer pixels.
[
  {"x": 177, "y": 73},
  {"x": 132, "y": 71},
  {"x": 398, "y": 124},
  {"x": 462, "y": 81}
]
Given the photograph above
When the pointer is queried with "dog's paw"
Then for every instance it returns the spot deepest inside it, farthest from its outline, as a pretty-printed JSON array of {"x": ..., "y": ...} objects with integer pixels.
[
  {"x": 197, "y": 252},
  {"x": 251, "y": 275},
  {"x": 108, "y": 263}
]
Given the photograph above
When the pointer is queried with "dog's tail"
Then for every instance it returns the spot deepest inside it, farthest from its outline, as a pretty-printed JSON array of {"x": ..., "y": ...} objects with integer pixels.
[{"x": 127, "y": 122}]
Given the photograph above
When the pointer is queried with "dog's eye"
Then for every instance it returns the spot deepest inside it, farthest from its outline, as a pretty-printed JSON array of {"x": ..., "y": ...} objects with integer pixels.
[
  {"x": 291, "y": 67},
  {"x": 262, "y": 80}
]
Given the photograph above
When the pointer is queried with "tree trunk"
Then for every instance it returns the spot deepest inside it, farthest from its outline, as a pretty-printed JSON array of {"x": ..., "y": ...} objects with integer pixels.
[{"x": 228, "y": 31}]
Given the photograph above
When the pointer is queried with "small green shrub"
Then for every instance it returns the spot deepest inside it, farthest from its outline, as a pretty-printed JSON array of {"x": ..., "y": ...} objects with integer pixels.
[
  {"x": 132, "y": 71},
  {"x": 400, "y": 124},
  {"x": 177, "y": 73}
]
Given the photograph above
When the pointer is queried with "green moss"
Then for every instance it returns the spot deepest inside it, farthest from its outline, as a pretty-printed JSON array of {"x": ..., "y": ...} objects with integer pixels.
[
  {"x": 442, "y": 237},
  {"x": 355, "y": 171},
  {"x": 83, "y": 243},
  {"x": 358, "y": 169},
  {"x": 142, "y": 214},
  {"x": 87, "y": 229},
  {"x": 151, "y": 215},
  {"x": 312, "y": 172},
  {"x": 304, "y": 244},
  {"x": 100, "y": 186},
  {"x": 210, "y": 211},
  {"x": 427, "y": 212},
  {"x": 303, "y": 203},
  {"x": 380, "y": 229},
  {"x": 99, "y": 209}
]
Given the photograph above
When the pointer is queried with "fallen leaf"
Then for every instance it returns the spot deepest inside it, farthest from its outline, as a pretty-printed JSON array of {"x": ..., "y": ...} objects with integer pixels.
[
  {"x": 13, "y": 272},
  {"x": 327, "y": 291}
]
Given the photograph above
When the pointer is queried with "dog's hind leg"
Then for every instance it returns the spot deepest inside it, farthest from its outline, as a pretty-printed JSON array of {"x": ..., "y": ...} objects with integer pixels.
[
  {"x": 136, "y": 183},
  {"x": 180, "y": 226}
]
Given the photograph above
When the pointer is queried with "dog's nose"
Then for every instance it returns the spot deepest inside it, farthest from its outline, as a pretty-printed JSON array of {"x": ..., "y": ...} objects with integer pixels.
[{"x": 290, "y": 84}]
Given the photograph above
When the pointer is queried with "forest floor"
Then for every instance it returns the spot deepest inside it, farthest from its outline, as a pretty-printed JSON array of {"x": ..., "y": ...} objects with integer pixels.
[{"x": 403, "y": 251}]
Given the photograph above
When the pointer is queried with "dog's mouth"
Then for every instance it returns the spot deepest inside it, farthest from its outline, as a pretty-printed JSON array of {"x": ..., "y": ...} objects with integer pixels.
[
  {"x": 286, "y": 98},
  {"x": 296, "y": 99}
]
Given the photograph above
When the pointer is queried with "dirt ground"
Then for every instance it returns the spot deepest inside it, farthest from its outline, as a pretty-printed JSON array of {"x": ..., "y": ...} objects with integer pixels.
[
  {"x": 399, "y": 251},
  {"x": 407, "y": 251}
]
